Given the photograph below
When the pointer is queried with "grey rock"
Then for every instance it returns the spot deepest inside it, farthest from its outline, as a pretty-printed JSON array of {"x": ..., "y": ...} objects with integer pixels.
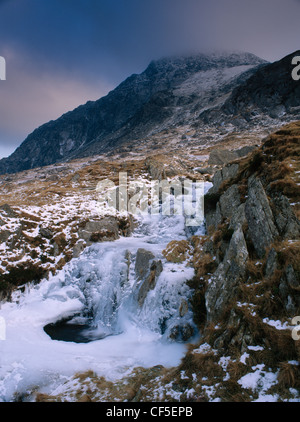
[
  {"x": 287, "y": 223},
  {"x": 8, "y": 211},
  {"x": 229, "y": 273},
  {"x": 229, "y": 202},
  {"x": 78, "y": 248},
  {"x": 289, "y": 290},
  {"x": 142, "y": 262},
  {"x": 75, "y": 178},
  {"x": 56, "y": 251},
  {"x": 227, "y": 173},
  {"x": 224, "y": 208},
  {"x": 220, "y": 157},
  {"x": 271, "y": 263},
  {"x": 4, "y": 235},
  {"x": 205, "y": 170},
  {"x": 46, "y": 232},
  {"x": 238, "y": 217},
  {"x": 292, "y": 277},
  {"x": 100, "y": 230},
  {"x": 261, "y": 227},
  {"x": 242, "y": 152},
  {"x": 150, "y": 280}
]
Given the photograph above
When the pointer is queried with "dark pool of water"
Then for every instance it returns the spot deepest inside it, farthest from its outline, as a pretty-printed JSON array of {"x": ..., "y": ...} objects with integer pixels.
[{"x": 66, "y": 331}]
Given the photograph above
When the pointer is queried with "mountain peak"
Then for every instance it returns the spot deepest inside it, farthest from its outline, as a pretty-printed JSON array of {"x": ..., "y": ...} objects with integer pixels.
[{"x": 197, "y": 90}]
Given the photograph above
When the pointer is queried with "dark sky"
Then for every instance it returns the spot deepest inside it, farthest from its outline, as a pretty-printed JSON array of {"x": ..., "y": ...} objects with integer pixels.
[{"x": 62, "y": 53}]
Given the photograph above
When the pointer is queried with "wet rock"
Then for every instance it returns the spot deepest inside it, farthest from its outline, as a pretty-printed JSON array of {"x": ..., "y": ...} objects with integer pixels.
[
  {"x": 150, "y": 281},
  {"x": 143, "y": 258},
  {"x": 184, "y": 308},
  {"x": 181, "y": 333}
]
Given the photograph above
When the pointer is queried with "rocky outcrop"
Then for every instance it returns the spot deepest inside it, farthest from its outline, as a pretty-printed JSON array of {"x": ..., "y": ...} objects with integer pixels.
[
  {"x": 230, "y": 272},
  {"x": 261, "y": 226},
  {"x": 253, "y": 239}
]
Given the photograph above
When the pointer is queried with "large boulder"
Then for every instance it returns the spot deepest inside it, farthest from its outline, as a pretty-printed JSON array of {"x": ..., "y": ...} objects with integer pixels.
[
  {"x": 106, "y": 229},
  {"x": 228, "y": 172},
  {"x": 142, "y": 262},
  {"x": 224, "y": 208}
]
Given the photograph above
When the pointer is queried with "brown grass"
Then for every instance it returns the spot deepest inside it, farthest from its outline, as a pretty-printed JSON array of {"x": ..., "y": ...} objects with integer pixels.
[{"x": 177, "y": 251}]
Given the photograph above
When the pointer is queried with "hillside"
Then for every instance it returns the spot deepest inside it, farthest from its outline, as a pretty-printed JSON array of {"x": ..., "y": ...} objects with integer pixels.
[{"x": 241, "y": 288}]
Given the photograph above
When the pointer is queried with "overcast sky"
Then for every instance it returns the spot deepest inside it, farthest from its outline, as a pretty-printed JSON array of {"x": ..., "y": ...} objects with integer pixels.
[{"x": 62, "y": 53}]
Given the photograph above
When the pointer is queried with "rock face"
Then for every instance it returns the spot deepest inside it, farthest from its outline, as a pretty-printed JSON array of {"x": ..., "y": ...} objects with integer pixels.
[
  {"x": 259, "y": 216},
  {"x": 230, "y": 272},
  {"x": 269, "y": 93}
]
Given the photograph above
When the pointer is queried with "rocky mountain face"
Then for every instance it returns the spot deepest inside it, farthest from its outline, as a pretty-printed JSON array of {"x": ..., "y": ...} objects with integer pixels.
[
  {"x": 270, "y": 93},
  {"x": 169, "y": 93}
]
